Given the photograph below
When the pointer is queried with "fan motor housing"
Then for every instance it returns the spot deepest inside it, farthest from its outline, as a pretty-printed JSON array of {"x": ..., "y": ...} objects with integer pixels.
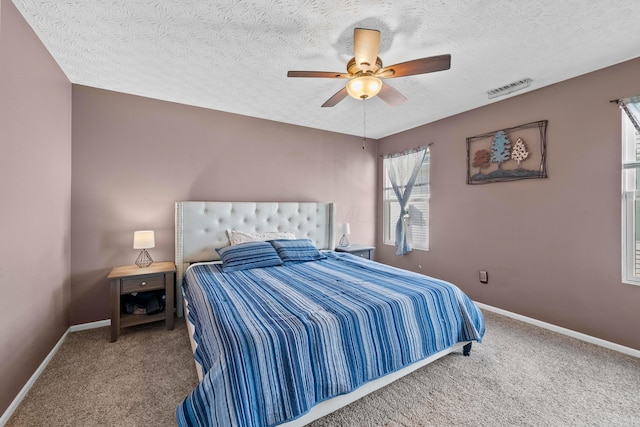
[{"x": 355, "y": 69}]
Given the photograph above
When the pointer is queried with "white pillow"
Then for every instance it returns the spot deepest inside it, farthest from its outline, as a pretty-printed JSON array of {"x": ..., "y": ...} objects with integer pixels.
[{"x": 237, "y": 237}]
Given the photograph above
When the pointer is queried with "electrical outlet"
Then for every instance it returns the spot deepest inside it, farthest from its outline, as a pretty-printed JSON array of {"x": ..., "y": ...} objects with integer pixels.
[{"x": 484, "y": 276}]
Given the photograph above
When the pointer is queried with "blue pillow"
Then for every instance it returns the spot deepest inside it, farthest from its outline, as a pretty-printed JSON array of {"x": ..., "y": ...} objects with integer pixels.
[
  {"x": 248, "y": 255},
  {"x": 297, "y": 250}
]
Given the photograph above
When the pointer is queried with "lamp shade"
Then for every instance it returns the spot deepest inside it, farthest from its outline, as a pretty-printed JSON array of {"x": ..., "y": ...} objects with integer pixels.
[
  {"x": 144, "y": 240},
  {"x": 364, "y": 87},
  {"x": 346, "y": 228}
]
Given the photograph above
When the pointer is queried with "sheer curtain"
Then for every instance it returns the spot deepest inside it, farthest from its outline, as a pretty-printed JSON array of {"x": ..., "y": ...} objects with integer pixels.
[
  {"x": 403, "y": 169},
  {"x": 631, "y": 107}
]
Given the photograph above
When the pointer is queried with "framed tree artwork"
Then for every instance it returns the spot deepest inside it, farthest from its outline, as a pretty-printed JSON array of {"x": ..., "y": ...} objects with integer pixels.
[{"x": 508, "y": 154}]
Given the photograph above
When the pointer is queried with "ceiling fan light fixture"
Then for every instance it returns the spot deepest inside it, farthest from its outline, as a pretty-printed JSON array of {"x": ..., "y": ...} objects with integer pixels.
[
  {"x": 364, "y": 87},
  {"x": 365, "y": 71}
]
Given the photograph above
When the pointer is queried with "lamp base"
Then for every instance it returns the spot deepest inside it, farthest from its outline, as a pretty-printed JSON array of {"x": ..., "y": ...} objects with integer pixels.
[
  {"x": 343, "y": 241},
  {"x": 144, "y": 259}
]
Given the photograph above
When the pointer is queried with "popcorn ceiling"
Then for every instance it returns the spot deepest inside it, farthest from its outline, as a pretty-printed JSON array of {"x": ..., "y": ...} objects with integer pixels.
[{"x": 234, "y": 55}]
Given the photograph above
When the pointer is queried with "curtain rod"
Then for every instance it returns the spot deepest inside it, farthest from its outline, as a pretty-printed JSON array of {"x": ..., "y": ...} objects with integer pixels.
[{"x": 408, "y": 149}]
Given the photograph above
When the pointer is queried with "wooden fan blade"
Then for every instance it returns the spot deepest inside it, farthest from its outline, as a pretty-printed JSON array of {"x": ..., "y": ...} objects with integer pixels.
[
  {"x": 391, "y": 96},
  {"x": 417, "y": 66},
  {"x": 318, "y": 74},
  {"x": 366, "y": 44},
  {"x": 339, "y": 96}
]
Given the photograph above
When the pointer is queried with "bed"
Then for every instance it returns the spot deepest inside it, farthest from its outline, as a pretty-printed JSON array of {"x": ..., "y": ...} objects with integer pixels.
[{"x": 285, "y": 339}]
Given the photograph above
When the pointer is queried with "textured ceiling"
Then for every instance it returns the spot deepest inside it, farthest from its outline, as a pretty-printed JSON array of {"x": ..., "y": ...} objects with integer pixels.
[{"x": 234, "y": 55}]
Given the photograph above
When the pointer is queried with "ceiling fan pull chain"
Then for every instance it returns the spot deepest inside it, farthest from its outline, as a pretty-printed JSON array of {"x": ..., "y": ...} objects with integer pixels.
[{"x": 364, "y": 124}]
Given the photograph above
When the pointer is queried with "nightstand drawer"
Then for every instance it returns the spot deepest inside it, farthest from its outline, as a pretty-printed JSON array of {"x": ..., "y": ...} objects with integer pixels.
[
  {"x": 358, "y": 250},
  {"x": 141, "y": 284},
  {"x": 363, "y": 254}
]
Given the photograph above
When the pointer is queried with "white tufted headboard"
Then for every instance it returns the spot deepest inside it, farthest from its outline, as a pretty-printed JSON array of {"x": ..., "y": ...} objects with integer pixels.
[{"x": 201, "y": 228}]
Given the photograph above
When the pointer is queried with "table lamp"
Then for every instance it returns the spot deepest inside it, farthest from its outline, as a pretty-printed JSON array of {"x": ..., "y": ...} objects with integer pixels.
[
  {"x": 144, "y": 240},
  {"x": 346, "y": 229}
]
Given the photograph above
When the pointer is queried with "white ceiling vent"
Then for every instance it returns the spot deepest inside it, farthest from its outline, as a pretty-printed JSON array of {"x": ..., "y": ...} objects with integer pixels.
[{"x": 510, "y": 88}]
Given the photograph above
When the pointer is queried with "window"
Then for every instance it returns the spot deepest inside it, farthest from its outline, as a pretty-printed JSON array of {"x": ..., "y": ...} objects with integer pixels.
[
  {"x": 630, "y": 202},
  {"x": 417, "y": 209}
]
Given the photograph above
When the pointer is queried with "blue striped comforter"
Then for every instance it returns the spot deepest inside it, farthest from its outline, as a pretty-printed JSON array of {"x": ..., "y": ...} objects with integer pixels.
[{"x": 275, "y": 341}]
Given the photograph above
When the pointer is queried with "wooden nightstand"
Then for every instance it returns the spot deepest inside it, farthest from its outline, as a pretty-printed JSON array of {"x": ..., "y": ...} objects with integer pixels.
[
  {"x": 131, "y": 278},
  {"x": 358, "y": 250}
]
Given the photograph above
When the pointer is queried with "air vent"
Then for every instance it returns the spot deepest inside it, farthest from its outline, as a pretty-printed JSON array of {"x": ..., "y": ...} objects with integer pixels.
[{"x": 510, "y": 88}]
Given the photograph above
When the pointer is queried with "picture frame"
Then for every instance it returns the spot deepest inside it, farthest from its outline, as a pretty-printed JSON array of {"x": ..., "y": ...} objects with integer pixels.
[{"x": 508, "y": 154}]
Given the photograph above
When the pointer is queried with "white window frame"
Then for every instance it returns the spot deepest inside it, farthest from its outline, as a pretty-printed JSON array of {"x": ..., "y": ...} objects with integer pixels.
[
  {"x": 418, "y": 230},
  {"x": 630, "y": 201}
]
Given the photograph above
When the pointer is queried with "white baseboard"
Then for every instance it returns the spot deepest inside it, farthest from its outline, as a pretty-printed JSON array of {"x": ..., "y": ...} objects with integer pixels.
[
  {"x": 92, "y": 325},
  {"x": 23, "y": 392},
  {"x": 14, "y": 404},
  {"x": 578, "y": 335}
]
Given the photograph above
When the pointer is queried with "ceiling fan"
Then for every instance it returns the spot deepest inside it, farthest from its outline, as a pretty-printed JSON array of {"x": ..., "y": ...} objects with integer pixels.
[{"x": 365, "y": 71}]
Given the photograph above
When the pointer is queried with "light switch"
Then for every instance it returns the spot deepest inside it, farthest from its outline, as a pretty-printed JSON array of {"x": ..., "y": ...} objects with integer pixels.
[{"x": 484, "y": 277}]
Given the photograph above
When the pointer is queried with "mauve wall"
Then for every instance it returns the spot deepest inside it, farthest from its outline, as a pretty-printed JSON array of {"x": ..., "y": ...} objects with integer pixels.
[
  {"x": 35, "y": 188},
  {"x": 133, "y": 157},
  {"x": 551, "y": 246}
]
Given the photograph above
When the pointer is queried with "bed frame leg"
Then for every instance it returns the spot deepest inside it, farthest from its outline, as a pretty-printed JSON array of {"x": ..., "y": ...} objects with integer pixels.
[{"x": 466, "y": 350}]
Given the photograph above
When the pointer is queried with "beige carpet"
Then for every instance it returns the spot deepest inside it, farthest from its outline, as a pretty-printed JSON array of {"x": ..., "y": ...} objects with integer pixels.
[
  {"x": 136, "y": 381},
  {"x": 520, "y": 375}
]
